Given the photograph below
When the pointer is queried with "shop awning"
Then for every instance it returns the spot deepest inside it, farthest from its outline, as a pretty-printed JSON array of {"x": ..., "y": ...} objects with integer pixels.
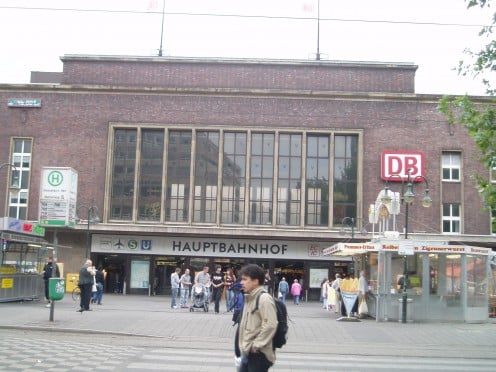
[{"x": 350, "y": 249}]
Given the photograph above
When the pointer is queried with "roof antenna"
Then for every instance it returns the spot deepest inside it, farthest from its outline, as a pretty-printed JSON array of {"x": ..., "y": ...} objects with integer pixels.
[
  {"x": 162, "y": 32},
  {"x": 317, "y": 56}
]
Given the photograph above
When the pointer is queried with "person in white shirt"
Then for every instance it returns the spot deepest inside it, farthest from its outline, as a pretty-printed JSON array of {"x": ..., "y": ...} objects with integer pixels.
[
  {"x": 175, "y": 287},
  {"x": 185, "y": 283}
]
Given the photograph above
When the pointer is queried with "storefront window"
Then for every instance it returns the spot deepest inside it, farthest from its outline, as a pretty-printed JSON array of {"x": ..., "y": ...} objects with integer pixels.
[
  {"x": 476, "y": 281},
  {"x": 23, "y": 258}
]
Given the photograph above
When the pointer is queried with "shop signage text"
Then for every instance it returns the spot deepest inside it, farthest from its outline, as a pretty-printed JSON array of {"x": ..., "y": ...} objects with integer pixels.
[
  {"x": 21, "y": 226},
  {"x": 207, "y": 247},
  {"x": 236, "y": 248}
]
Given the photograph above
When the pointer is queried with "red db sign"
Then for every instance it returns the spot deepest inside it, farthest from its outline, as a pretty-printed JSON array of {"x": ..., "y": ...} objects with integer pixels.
[{"x": 399, "y": 163}]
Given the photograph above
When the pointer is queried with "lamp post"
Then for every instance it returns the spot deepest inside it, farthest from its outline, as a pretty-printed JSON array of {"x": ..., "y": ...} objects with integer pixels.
[
  {"x": 14, "y": 179},
  {"x": 351, "y": 222},
  {"x": 92, "y": 217},
  {"x": 407, "y": 197},
  {"x": 14, "y": 185}
]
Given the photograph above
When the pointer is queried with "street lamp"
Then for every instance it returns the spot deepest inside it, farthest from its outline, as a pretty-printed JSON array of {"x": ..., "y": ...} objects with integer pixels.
[
  {"x": 92, "y": 217},
  {"x": 407, "y": 197},
  {"x": 14, "y": 179},
  {"x": 13, "y": 186},
  {"x": 351, "y": 222}
]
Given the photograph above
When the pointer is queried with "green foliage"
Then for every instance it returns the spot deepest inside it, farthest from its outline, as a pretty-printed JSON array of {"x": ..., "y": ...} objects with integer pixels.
[{"x": 479, "y": 119}]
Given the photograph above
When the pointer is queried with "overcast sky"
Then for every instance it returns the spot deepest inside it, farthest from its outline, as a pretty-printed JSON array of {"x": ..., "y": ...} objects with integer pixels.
[{"x": 430, "y": 33}]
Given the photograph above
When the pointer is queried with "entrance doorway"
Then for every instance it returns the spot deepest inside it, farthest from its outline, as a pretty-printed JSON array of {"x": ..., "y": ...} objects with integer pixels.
[{"x": 290, "y": 270}]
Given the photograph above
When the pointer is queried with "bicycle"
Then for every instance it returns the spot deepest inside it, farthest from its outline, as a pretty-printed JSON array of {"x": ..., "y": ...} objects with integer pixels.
[{"x": 76, "y": 293}]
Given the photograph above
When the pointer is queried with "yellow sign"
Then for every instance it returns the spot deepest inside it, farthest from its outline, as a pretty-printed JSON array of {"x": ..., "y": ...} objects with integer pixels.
[{"x": 7, "y": 283}]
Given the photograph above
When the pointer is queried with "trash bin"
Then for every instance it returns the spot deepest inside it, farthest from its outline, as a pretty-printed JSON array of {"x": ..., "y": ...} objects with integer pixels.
[
  {"x": 56, "y": 288},
  {"x": 409, "y": 310}
]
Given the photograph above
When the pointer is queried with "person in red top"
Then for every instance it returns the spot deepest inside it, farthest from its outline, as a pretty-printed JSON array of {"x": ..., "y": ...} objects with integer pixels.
[{"x": 296, "y": 291}]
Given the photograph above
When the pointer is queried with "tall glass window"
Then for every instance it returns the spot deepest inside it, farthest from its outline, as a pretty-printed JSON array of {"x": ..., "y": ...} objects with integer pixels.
[
  {"x": 121, "y": 199},
  {"x": 206, "y": 172},
  {"x": 345, "y": 177},
  {"x": 150, "y": 179},
  {"x": 317, "y": 180},
  {"x": 289, "y": 180},
  {"x": 234, "y": 178},
  {"x": 261, "y": 178},
  {"x": 178, "y": 176},
  {"x": 21, "y": 160}
]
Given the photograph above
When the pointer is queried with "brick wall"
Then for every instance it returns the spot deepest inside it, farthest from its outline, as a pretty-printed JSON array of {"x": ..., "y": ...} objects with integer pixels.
[{"x": 195, "y": 73}]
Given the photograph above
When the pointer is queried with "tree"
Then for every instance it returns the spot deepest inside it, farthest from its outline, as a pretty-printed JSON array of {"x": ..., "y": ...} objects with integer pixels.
[{"x": 479, "y": 119}]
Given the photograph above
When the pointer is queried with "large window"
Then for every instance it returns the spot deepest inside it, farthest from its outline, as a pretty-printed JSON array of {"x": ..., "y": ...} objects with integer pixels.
[
  {"x": 123, "y": 171},
  {"x": 206, "y": 174},
  {"x": 317, "y": 181},
  {"x": 451, "y": 218},
  {"x": 150, "y": 181},
  {"x": 217, "y": 176},
  {"x": 289, "y": 180},
  {"x": 21, "y": 160},
  {"x": 261, "y": 178},
  {"x": 234, "y": 178},
  {"x": 345, "y": 177},
  {"x": 451, "y": 163},
  {"x": 178, "y": 176}
]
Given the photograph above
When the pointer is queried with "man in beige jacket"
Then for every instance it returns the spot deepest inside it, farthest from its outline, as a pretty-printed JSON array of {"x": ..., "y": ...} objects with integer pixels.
[{"x": 257, "y": 326}]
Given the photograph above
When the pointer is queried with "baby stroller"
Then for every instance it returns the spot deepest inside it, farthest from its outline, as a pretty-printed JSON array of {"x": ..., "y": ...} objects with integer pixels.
[{"x": 199, "y": 298}]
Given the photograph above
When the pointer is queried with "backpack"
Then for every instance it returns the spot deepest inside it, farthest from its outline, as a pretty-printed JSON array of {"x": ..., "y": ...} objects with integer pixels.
[{"x": 280, "y": 337}]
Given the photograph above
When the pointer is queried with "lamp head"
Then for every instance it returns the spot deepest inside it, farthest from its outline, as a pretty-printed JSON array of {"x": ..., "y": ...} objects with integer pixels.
[
  {"x": 426, "y": 200},
  {"x": 385, "y": 198},
  {"x": 408, "y": 196}
]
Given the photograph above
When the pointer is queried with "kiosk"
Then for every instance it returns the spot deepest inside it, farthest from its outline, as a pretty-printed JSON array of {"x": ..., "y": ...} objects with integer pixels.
[{"x": 443, "y": 283}]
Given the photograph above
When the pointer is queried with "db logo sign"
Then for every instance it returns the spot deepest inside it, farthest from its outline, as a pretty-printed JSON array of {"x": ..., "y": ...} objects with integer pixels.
[{"x": 399, "y": 163}]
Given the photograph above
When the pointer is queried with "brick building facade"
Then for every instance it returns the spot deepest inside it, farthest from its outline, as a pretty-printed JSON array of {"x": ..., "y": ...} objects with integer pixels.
[{"x": 369, "y": 108}]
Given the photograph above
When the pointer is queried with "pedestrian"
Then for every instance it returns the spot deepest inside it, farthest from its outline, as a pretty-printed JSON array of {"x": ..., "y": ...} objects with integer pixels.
[
  {"x": 296, "y": 291},
  {"x": 99, "y": 279},
  {"x": 86, "y": 275},
  {"x": 283, "y": 289},
  {"x": 257, "y": 327},
  {"x": 203, "y": 277},
  {"x": 175, "y": 287},
  {"x": 267, "y": 282},
  {"x": 47, "y": 274},
  {"x": 185, "y": 284},
  {"x": 336, "y": 286},
  {"x": 363, "y": 288},
  {"x": 217, "y": 287},
  {"x": 324, "y": 291},
  {"x": 229, "y": 281}
]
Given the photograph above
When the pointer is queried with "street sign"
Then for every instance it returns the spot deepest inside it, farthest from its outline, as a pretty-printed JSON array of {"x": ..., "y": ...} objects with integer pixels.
[
  {"x": 24, "y": 102},
  {"x": 58, "y": 197}
]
